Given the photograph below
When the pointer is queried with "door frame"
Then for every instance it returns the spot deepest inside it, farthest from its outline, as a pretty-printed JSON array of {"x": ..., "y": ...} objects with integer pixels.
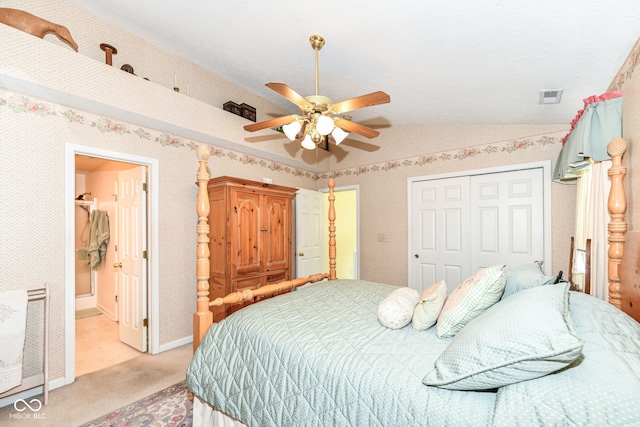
[
  {"x": 546, "y": 186},
  {"x": 153, "y": 294},
  {"x": 355, "y": 188}
]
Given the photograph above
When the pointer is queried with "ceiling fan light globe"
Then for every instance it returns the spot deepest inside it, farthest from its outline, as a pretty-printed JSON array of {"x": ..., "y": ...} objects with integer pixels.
[
  {"x": 324, "y": 125},
  {"x": 307, "y": 143},
  {"x": 339, "y": 135},
  {"x": 291, "y": 130}
]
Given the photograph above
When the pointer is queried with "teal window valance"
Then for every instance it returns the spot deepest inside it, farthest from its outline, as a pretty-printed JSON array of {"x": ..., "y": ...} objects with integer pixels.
[{"x": 593, "y": 128}]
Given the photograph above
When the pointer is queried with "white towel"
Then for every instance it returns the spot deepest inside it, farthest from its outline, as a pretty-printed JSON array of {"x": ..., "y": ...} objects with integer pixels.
[{"x": 13, "y": 323}]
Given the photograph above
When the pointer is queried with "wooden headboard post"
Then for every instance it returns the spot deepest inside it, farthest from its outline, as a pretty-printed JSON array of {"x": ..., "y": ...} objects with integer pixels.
[
  {"x": 332, "y": 231},
  {"x": 203, "y": 317},
  {"x": 617, "y": 205}
]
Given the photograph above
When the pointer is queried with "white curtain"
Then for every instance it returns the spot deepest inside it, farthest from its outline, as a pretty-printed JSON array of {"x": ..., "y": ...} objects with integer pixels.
[
  {"x": 583, "y": 221},
  {"x": 584, "y": 159},
  {"x": 598, "y": 233},
  {"x": 592, "y": 217}
]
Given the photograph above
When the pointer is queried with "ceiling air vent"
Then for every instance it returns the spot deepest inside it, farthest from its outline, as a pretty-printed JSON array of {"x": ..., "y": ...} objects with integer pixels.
[{"x": 551, "y": 96}]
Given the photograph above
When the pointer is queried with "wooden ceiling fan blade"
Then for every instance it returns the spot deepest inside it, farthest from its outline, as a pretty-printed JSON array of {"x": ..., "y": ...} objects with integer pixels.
[
  {"x": 289, "y": 93},
  {"x": 369, "y": 100},
  {"x": 273, "y": 123},
  {"x": 350, "y": 126}
]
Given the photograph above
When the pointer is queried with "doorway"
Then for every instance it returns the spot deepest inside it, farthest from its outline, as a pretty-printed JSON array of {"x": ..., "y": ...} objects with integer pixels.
[
  {"x": 99, "y": 283},
  {"x": 100, "y": 176},
  {"x": 312, "y": 232}
]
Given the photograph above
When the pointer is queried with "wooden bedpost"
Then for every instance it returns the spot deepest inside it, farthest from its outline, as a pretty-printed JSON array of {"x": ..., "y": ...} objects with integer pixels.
[
  {"x": 617, "y": 227},
  {"x": 332, "y": 231},
  {"x": 203, "y": 317}
]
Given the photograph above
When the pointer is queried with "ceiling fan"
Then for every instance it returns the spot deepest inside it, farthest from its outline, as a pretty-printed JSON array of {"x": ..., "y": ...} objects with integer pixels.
[{"x": 317, "y": 112}]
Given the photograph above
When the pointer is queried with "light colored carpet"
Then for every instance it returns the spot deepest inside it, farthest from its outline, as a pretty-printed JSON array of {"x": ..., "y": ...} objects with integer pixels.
[
  {"x": 101, "y": 392},
  {"x": 89, "y": 312}
]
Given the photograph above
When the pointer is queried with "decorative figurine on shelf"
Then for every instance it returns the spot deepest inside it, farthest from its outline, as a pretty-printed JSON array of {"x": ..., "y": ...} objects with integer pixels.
[
  {"x": 35, "y": 26},
  {"x": 109, "y": 51}
]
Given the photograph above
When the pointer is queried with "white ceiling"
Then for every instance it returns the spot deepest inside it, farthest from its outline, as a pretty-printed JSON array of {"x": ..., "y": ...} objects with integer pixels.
[{"x": 441, "y": 61}]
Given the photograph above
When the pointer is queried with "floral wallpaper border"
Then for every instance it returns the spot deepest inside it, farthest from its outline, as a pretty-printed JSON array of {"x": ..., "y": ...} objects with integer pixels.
[{"x": 19, "y": 103}]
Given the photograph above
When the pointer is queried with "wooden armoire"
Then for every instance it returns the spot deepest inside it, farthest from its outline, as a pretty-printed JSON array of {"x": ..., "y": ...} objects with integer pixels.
[{"x": 250, "y": 237}]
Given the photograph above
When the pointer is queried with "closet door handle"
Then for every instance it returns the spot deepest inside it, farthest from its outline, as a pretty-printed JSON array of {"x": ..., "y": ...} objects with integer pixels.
[
  {"x": 117, "y": 265},
  {"x": 264, "y": 229}
]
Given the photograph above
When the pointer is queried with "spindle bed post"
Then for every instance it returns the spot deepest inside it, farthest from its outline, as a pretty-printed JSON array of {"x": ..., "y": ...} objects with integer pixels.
[
  {"x": 617, "y": 227},
  {"x": 332, "y": 231},
  {"x": 203, "y": 317}
]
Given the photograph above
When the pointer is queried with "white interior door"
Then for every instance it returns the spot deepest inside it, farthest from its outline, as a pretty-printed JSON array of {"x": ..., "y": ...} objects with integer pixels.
[
  {"x": 310, "y": 249},
  {"x": 508, "y": 219},
  {"x": 461, "y": 224},
  {"x": 132, "y": 246},
  {"x": 441, "y": 249}
]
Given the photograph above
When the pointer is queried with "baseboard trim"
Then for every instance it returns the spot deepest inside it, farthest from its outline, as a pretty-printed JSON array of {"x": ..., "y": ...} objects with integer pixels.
[
  {"x": 10, "y": 400},
  {"x": 174, "y": 344}
]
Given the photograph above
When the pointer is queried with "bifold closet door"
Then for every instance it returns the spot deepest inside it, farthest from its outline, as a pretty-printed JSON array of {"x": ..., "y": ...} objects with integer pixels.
[
  {"x": 461, "y": 224},
  {"x": 440, "y": 226},
  {"x": 507, "y": 220}
]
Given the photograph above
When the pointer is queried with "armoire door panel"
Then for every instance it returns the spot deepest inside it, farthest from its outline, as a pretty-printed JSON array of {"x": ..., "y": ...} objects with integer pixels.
[
  {"x": 275, "y": 230},
  {"x": 245, "y": 224}
]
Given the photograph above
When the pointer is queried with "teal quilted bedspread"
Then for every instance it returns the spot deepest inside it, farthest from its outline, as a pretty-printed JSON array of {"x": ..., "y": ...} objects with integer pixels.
[
  {"x": 319, "y": 357},
  {"x": 331, "y": 364}
]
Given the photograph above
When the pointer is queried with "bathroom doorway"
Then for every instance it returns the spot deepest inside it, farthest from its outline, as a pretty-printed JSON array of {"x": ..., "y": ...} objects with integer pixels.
[
  {"x": 109, "y": 321},
  {"x": 98, "y": 281}
]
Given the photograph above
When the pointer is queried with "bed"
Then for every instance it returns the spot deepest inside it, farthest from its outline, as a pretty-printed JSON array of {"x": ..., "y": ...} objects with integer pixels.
[{"x": 538, "y": 354}]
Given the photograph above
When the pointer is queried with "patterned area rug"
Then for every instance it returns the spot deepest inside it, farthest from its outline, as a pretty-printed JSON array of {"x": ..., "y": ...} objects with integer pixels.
[{"x": 171, "y": 407}]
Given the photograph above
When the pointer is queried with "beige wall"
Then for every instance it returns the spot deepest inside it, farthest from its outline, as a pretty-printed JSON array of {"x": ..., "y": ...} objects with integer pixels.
[
  {"x": 628, "y": 80},
  {"x": 51, "y": 96},
  {"x": 383, "y": 187}
]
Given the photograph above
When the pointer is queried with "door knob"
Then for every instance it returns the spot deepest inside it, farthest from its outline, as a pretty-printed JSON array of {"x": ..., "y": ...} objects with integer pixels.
[
  {"x": 417, "y": 256},
  {"x": 301, "y": 253},
  {"x": 117, "y": 265}
]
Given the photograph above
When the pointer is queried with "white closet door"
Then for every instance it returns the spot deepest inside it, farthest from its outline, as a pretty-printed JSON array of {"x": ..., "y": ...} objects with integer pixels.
[
  {"x": 440, "y": 243},
  {"x": 507, "y": 221},
  {"x": 461, "y": 224}
]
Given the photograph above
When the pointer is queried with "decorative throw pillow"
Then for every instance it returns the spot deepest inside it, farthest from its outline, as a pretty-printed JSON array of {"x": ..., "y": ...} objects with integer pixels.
[
  {"x": 525, "y": 276},
  {"x": 428, "y": 309},
  {"x": 469, "y": 299},
  {"x": 526, "y": 336},
  {"x": 396, "y": 310}
]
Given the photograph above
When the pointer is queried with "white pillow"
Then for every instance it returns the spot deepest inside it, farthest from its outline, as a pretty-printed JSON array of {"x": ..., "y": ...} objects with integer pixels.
[
  {"x": 396, "y": 310},
  {"x": 428, "y": 309},
  {"x": 471, "y": 298}
]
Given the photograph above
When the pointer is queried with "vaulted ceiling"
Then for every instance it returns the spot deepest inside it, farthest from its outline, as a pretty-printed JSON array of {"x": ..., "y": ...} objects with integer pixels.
[{"x": 465, "y": 61}]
